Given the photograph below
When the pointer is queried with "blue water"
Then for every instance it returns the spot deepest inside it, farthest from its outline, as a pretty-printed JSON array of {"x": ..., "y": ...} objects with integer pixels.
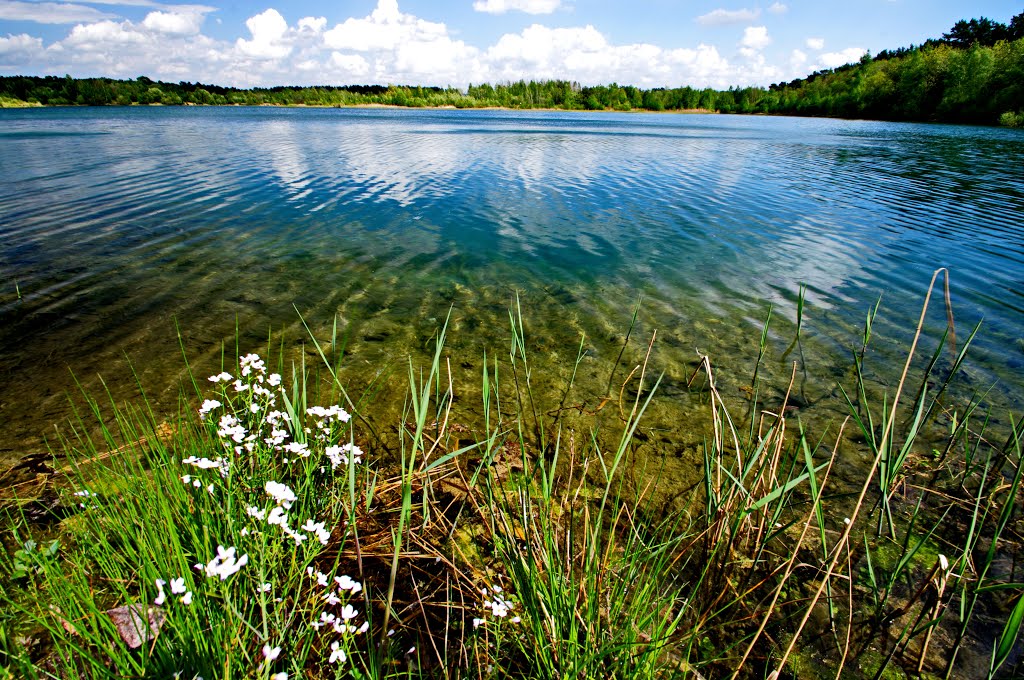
[{"x": 118, "y": 223}]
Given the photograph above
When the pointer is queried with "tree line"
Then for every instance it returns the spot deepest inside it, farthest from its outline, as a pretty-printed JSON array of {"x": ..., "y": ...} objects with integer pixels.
[{"x": 973, "y": 74}]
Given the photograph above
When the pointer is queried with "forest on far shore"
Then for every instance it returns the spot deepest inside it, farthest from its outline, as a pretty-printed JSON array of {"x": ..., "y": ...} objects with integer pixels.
[{"x": 972, "y": 74}]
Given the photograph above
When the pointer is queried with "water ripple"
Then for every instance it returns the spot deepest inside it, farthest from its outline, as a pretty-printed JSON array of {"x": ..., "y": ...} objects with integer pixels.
[{"x": 112, "y": 221}]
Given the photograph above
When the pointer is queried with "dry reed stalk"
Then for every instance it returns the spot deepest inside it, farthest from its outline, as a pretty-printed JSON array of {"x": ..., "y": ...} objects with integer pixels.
[
  {"x": 791, "y": 564},
  {"x": 886, "y": 434}
]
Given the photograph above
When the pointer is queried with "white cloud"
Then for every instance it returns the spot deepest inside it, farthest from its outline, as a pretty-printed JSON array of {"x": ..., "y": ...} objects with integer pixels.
[
  {"x": 314, "y": 24},
  {"x": 268, "y": 31},
  {"x": 797, "y": 59},
  {"x": 49, "y": 12},
  {"x": 351, "y": 64},
  {"x": 385, "y": 29},
  {"x": 815, "y": 43},
  {"x": 176, "y": 23},
  {"x": 528, "y": 6},
  {"x": 778, "y": 8},
  {"x": 103, "y": 35},
  {"x": 721, "y": 17},
  {"x": 386, "y": 46},
  {"x": 20, "y": 44},
  {"x": 847, "y": 56},
  {"x": 756, "y": 37}
]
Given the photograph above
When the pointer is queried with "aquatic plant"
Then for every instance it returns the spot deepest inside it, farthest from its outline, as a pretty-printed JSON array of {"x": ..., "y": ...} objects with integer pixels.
[{"x": 264, "y": 533}]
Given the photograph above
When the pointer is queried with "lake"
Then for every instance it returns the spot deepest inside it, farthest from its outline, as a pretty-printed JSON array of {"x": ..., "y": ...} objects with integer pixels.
[{"x": 120, "y": 225}]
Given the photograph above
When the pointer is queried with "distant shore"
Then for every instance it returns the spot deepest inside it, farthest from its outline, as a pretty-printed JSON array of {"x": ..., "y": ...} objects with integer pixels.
[{"x": 10, "y": 103}]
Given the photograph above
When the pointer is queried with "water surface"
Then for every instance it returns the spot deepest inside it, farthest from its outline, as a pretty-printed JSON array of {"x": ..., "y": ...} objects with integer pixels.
[{"x": 116, "y": 224}]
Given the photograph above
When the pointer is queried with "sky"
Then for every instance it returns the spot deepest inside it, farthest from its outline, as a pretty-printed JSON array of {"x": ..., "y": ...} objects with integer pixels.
[{"x": 647, "y": 43}]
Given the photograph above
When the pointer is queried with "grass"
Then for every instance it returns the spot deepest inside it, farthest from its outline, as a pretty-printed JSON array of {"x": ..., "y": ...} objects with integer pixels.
[{"x": 269, "y": 539}]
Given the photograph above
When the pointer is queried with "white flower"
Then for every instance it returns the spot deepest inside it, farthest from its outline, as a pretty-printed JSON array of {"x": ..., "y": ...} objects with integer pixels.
[
  {"x": 186, "y": 479},
  {"x": 280, "y": 493},
  {"x": 346, "y": 583},
  {"x": 298, "y": 449},
  {"x": 220, "y": 377},
  {"x": 250, "y": 363},
  {"x": 332, "y": 598},
  {"x": 265, "y": 588},
  {"x": 161, "y": 597},
  {"x": 321, "y": 533},
  {"x": 348, "y": 612},
  {"x": 477, "y": 623},
  {"x": 337, "y": 654},
  {"x": 943, "y": 563},
  {"x": 225, "y": 564},
  {"x": 277, "y": 516},
  {"x": 258, "y": 513},
  {"x": 339, "y": 455},
  {"x": 178, "y": 586},
  {"x": 208, "y": 406},
  {"x": 186, "y": 599},
  {"x": 274, "y": 379},
  {"x": 332, "y": 413},
  {"x": 271, "y": 653},
  {"x": 202, "y": 463},
  {"x": 240, "y": 386},
  {"x": 279, "y": 676}
]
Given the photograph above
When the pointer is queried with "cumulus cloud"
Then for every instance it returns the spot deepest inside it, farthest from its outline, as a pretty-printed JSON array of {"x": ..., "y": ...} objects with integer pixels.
[
  {"x": 20, "y": 44},
  {"x": 268, "y": 31},
  {"x": 847, "y": 56},
  {"x": 815, "y": 43},
  {"x": 778, "y": 8},
  {"x": 103, "y": 35},
  {"x": 404, "y": 48},
  {"x": 352, "y": 64},
  {"x": 755, "y": 38},
  {"x": 386, "y": 46},
  {"x": 313, "y": 24},
  {"x": 528, "y": 6},
  {"x": 176, "y": 23},
  {"x": 49, "y": 12},
  {"x": 720, "y": 17}
]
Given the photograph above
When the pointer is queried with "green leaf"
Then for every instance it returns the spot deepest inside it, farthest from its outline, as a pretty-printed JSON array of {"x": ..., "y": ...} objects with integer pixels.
[{"x": 1009, "y": 636}]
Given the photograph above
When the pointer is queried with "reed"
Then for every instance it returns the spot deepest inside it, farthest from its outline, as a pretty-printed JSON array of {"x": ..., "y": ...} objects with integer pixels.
[{"x": 282, "y": 531}]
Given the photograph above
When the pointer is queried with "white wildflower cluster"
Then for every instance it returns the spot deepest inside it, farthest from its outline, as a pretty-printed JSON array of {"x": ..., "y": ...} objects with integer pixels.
[
  {"x": 219, "y": 464},
  {"x": 283, "y": 498},
  {"x": 337, "y": 592},
  {"x": 497, "y": 605},
  {"x": 250, "y": 419},
  {"x": 343, "y": 455},
  {"x": 208, "y": 406},
  {"x": 224, "y": 565},
  {"x": 177, "y": 588}
]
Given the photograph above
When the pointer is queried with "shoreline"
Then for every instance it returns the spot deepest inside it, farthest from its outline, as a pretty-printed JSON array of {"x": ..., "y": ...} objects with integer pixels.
[{"x": 20, "y": 104}]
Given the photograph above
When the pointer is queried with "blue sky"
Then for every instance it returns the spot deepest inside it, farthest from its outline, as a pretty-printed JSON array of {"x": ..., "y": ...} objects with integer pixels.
[{"x": 649, "y": 43}]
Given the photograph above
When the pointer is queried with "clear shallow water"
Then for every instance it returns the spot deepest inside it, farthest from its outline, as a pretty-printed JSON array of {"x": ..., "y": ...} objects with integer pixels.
[{"x": 116, "y": 222}]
